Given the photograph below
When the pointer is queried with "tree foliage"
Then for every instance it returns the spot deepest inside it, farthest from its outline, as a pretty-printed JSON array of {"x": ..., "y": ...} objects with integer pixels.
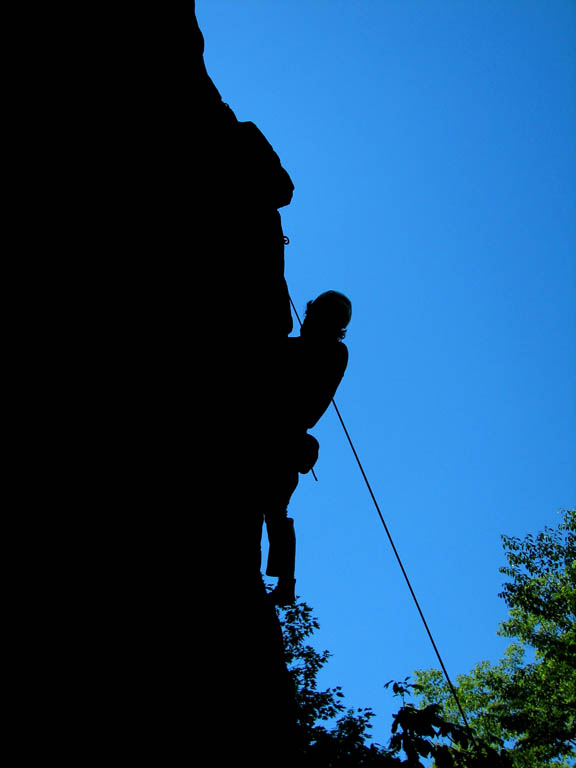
[
  {"x": 343, "y": 744},
  {"x": 417, "y": 733},
  {"x": 527, "y": 701},
  {"x": 522, "y": 710}
]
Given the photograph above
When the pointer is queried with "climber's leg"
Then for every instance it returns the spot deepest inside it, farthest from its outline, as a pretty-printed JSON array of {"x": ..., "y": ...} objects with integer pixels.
[
  {"x": 282, "y": 562},
  {"x": 282, "y": 541}
]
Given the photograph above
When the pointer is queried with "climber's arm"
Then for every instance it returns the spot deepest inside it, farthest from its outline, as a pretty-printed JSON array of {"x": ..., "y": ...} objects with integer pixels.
[{"x": 322, "y": 387}]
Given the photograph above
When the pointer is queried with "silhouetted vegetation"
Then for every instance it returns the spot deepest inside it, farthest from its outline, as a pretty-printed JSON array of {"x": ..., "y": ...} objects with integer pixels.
[
  {"x": 417, "y": 733},
  {"x": 527, "y": 701},
  {"x": 522, "y": 713}
]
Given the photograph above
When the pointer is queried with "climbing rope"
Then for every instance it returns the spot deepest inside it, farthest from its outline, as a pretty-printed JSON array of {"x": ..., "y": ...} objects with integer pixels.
[{"x": 400, "y": 563}]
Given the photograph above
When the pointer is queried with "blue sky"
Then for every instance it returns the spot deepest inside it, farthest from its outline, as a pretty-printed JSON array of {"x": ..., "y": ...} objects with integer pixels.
[{"x": 432, "y": 145}]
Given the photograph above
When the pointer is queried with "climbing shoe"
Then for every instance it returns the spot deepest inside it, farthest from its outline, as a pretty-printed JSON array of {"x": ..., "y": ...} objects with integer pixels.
[{"x": 283, "y": 594}]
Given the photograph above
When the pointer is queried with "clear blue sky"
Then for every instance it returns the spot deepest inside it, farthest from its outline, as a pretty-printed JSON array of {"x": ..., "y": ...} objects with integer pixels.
[{"x": 433, "y": 149}]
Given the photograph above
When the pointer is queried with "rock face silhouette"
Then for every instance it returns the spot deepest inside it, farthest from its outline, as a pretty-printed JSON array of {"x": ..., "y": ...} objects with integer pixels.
[
  {"x": 242, "y": 333},
  {"x": 153, "y": 304}
]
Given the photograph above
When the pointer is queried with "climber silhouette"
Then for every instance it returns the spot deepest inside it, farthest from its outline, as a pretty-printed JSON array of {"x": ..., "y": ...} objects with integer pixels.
[{"x": 315, "y": 364}]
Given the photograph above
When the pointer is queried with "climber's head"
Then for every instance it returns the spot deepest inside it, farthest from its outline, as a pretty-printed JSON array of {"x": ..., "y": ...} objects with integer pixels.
[{"x": 327, "y": 316}]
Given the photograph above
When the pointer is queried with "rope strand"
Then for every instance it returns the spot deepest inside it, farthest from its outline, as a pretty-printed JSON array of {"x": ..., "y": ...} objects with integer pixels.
[{"x": 400, "y": 563}]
